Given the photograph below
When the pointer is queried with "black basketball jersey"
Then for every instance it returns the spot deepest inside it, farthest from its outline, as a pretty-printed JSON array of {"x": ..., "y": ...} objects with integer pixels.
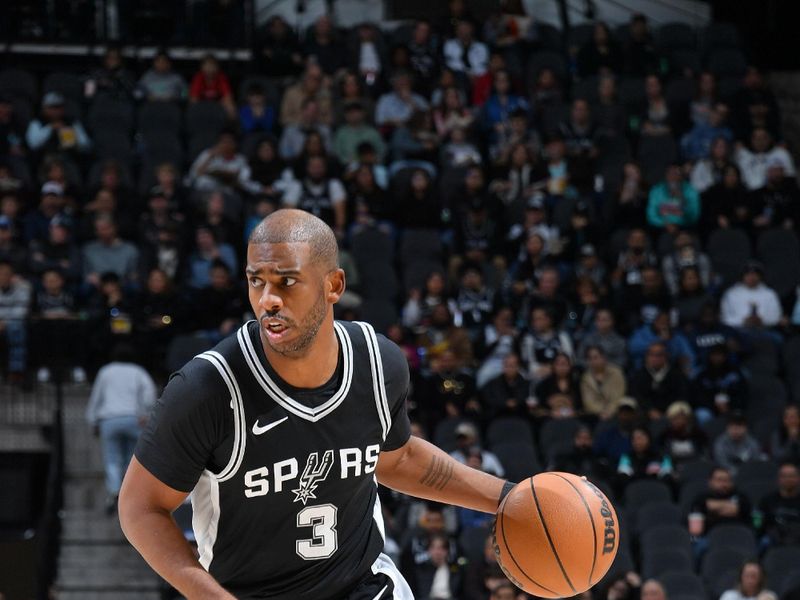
[{"x": 283, "y": 480}]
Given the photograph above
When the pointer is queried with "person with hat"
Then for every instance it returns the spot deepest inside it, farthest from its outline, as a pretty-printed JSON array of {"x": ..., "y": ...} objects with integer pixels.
[
  {"x": 354, "y": 131},
  {"x": 751, "y": 303},
  {"x": 55, "y": 132},
  {"x": 57, "y": 252},
  {"x": 682, "y": 440},
  {"x": 51, "y": 205},
  {"x": 468, "y": 444},
  {"x": 736, "y": 446}
]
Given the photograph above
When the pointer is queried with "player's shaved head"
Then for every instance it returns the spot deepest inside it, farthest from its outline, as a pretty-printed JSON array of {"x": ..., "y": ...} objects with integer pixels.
[{"x": 289, "y": 225}]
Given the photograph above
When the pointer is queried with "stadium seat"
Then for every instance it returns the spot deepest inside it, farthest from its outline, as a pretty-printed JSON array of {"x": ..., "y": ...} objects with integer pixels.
[
  {"x": 114, "y": 144},
  {"x": 727, "y": 62},
  {"x": 108, "y": 114},
  {"x": 646, "y": 491},
  {"x": 586, "y": 89},
  {"x": 789, "y": 582},
  {"x": 200, "y": 141},
  {"x": 665, "y": 536},
  {"x": 206, "y": 117},
  {"x": 675, "y": 35},
  {"x": 580, "y": 35},
  {"x": 655, "y": 154},
  {"x": 780, "y": 562},
  {"x": 688, "y": 492},
  {"x": 681, "y": 90},
  {"x": 681, "y": 583},
  {"x": 791, "y": 358},
  {"x": 762, "y": 359},
  {"x": 380, "y": 313},
  {"x": 416, "y": 272},
  {"x": 658, "y": 513},
  {"x": 727, "y": 87},
  {"x": 723, "y": 581},
  {"x": 733, "y": 536},
  {"x": 445, "y": 434},
  {"x": 547, "y": 59},
  {"x": 765, "y": 470},
  {"x": 683, "y": 60},
  {"x": 698, "y": 469},
  {"x": 184, "y": 348},
  {"x": 623, "y": 563},
  {"x": 720, "y": 35},
  {"x": 159, "y": 118},
  {"x": 509, "y": 429},
  {"x": 518, "y": 459},
  {"x": 721, "y": 559},
  {"x": 728, "y": 250},
  {"x": 779, "y": 251},
  {"x": 472, "y": 542},
  {"x": 553, "y": 431},
  {"x": 68, "y": 85},
  {"x": 768, "y": 397},
  {"x": 756, "y": 490},
  {"x": 18, "y": 82},
  {"x": 665, "y": 559},
  {"x": 631, "y": 93}
]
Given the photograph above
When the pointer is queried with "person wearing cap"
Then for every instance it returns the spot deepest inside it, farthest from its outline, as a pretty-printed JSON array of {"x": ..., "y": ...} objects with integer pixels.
[
  {"x": 777, "y": 203},
  {"x": 682, "y": 439},
  {"x": 753, "y": 162},
  {"x": 51, "y": 205},
  {"x": 58, "y": 252},
  {"x": 736, "y": 446},
  {"x": 589, "y": 266},
  {"x": 354, "y": 131},
  {"x": 467, "y": 442},
  {"x": 673, "y": 203},
  {"x": 55, "y": 132},
  {"x": 751, "y": 303}
]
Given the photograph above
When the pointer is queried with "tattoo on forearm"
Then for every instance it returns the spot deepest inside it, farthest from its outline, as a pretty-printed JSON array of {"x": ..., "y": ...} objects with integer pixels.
[{"x": 438, "y": 474}]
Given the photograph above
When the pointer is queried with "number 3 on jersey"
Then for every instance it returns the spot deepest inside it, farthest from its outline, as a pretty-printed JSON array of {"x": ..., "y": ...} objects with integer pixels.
[{"x": 324, "y": 541}]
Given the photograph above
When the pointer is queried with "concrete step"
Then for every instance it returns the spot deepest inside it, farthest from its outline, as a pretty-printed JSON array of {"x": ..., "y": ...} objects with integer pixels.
[
  {"x": 85, "y": 493},
  {"x": 104, "y": 566},
  {"x": 90, "y": 526}
]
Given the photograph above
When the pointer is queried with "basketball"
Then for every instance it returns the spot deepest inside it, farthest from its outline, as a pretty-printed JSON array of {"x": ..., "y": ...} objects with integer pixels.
[{"x": 555, "y": 535}]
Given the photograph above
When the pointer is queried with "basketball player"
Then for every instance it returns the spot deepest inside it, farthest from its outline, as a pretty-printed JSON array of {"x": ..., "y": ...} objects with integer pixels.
[{"x": 280, "y": 433}]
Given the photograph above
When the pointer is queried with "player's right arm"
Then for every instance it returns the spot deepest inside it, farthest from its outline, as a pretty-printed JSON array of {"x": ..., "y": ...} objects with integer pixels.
[{"x": 145, "y": 514}]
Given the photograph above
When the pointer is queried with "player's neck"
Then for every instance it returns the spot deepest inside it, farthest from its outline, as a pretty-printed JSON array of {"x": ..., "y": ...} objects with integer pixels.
[{"x": 314, "y": 368}]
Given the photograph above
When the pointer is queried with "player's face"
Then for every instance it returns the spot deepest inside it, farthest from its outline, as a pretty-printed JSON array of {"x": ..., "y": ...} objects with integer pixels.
[{"x": 288, "y": 295}]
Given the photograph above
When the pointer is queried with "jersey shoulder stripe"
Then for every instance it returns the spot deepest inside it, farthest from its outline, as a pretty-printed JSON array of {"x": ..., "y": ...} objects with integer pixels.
[{"x": 379, "y": 389}]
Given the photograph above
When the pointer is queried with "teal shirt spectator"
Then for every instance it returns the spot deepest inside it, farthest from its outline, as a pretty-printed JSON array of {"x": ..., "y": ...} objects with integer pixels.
[{"x": 664, "y": 207}]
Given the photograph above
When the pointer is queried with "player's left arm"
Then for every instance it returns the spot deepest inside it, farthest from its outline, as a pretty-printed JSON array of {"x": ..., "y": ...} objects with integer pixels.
[{"x": 420, "y": 469}]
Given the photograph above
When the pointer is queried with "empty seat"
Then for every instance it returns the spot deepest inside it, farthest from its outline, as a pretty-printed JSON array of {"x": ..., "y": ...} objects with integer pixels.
[
  {"x": 518, "y": 459},
  {"x": 727, "y": 62},
  {"x": 656, "y": 153},
  {"x": 631, "y": 92},
  {"x": 681, "y": 583},
  {"x": 108, "y": 114},
  {"x": 779, "y": 563},
  {"x": 555, "y": 430},
  {"x": 718, "y": 560},
  {"x": 698, "y": 469},
  {"x": 728, "y": 250},
  {"x": 685, "y": 60},
  {"x": 791, "y": 358},
  {"x": 420, "y": 244},
  {"x": 646, "y": 491},
  {"x": 205, "y": 116},
  {"x": 788, "y": 582},
  {"x": 17, "y": 82},
  {"x": 509, "y": 429},
  {"x": 768, "y": 397},
  {"x": 472, "y": 542},
  {"x": 721, "y": 582},
  {"x": 721, "y": 35},
  {"x": 547, "y": 59},
  {"x": 675, "y": 35},
  {"x": 779, "y": 250},
  {"x": 763, "y": 358},
  {"x": 680, "y": 91},
  {"x": 113, "y": 144},
  {"x": 665, "y": 559},
  {"x": 445, "y": 434},
  {"x": 68, "y": 85},
  {"x": 688, "y": 492},
  {"x": 757, "y": 490},
  {"x": 156, "y": 118},
  {"x": 665, "y": 536},
  {"x": 184, "y": 348},
  {"x": 734, "y": 536},
  {"x": 579, "y": 35},
  {"x": 658, "y": 513},
  {"x": 380, "y": 313}
]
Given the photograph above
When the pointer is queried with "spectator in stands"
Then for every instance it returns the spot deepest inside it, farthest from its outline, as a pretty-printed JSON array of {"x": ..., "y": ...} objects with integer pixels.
[
  {"x": 685, "y": 254},
  {"x": 112, "y": 79},
  {"x": 562, "y": 380},
  {"x": 600, "y": 54},
  {"x": 12, "y": 141},
  {"x": 15, "y": 300},
  {"x": 657, "y": 383},
  {"x": 507, "y": 393},
  {"x": 256, "y": 116},
  {"x": 579, "y": 131},
  {"x": 441, "y": 334},
  {"x": 631, "y": 198},
  {"x": 753, "y": 162},
  {"x": 415, "y": 144},
  {"x": 781, "y": 508},
  {"x": 11, "y": 251},
  {"x": 580, "y": 459},
  {"x": 502, "y": 103},
  {"x": 122, "y": 396},
  {"x": 158, "y": 215},
  {"x": 423, "y": 56},
  {"x": 660, "y": 331},
  {"x": 751, "y": 303},
  {"x": 751, "y": 584},
  {"x": 55, "y": 133},
  {"x": 355, "y": 131},
  {"x": 320, "y": 194},
  {"x": 755, "y": 106},
  {"x": 612, "y": 442},
  {"x": 458, "y": 151},
  {"x": 109, "y": 254},
  {"x": 419, "y": 307},
  {"x": 367, "y": 55},
  {"x": 720, "y": 388},
  {"x": 656, "y": 119},
  {"x": 736, "y": 446},
  {"x": 640, "y": 56},
  {"x": 642, "y": 462},
  {"x": 602, "y": 385},
  {"x": 222, "y": 168},
  {"x": 414, "y": 546},
  {"x": 167, "y": 178},
  {"x": 558, "y": 168},
  {"x": 210, "y": 84},
  {"x": 448, "y": 389},
  {"x": 710, "y": 170},
  {"x": 691, "y": 297},
  {"x": 546, "y": 92},
  {"x": 451, "y": 114},
  {"x": 467, "y": 443},
  {"x": 477, "y": 572},
  {"x": 324, "y": 48},
  {"x": 785, "y": 442},
  {"x": 673, "y": 203},
  {"x": 641, "y": 304},
  {"x": 349, "y": 90},
  {"x": 208, "y": 250},
  {"x": 727, "y": 205},
  {"x": 296, "y": 135},
  {"x": 278, "y": 48},
  {"x": 312, "y": 86},
  {"x": 438, "y": 577},
  {"x": 706, "y": 99},
  {"x": 464, "y": 54},
  {"x": 53, "y": 300},
  {"x": 541, "y": 344},
  {"x": 395, "y": 108},
  {"x": 696, "y": 144},
  {"x": 58, "y": 252},
  {"x": 605, "y": 337},
  {"x": 777, "y": 203},
  {"x": 473, "y": 302},
  {"x": 219, "y": 306},
  {"x": 211, "y": 214},
  {"x": 160, "y": 315},
  {"x": 722, "y": 503},
  {"x": 495, "y": 342},
  {"x": 160, "y": 83},
  {"x": 269, "y": 169}
]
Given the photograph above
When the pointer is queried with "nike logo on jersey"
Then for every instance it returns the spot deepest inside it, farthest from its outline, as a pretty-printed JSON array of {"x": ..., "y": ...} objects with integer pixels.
[{"x": 265, "y": 428}]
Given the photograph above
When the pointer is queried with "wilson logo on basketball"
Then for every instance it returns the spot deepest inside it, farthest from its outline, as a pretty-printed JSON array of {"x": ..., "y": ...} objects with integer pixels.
[{"x": 610, "y": 531}]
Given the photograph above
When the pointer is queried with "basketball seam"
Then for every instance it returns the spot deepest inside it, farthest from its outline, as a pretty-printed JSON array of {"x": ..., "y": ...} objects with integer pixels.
[
  {"x": 591, "y": 520},
  {"x": 511, "y": 554},
  {"x": 550, "y": 539}
]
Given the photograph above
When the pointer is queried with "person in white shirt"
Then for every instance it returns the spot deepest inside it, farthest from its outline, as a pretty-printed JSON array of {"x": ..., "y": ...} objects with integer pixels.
[
  {"x": 753, "y": 162},
  {"x": 319, "y": 194},
  {"x": 463, "y": 54},
  {"x": 121, "y": 399},
  {"x": 751, "y": 303},
  {"x": 222, "y": 169}
]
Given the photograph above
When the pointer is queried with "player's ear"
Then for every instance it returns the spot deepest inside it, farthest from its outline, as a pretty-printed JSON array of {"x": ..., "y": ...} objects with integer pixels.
[{"x": 335, "y": 285}]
